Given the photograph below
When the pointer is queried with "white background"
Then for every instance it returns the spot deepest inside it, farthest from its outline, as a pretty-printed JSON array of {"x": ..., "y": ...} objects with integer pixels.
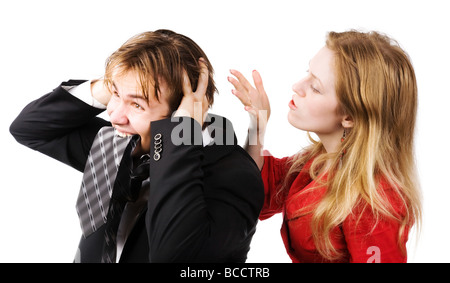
[{"x": 46, "y": 42}]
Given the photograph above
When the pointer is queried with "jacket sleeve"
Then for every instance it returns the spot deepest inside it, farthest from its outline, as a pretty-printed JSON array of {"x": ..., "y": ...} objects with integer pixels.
[
  {"x": 59, "y": 125},
  {"x": 273, "y": 174},
  {"x": 176, "y": 208},
  {"x": 184, "y": 223}
]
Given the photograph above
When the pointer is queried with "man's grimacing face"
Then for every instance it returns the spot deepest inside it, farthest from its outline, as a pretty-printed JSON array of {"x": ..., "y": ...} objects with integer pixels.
[{"x": 130, "y": 113}]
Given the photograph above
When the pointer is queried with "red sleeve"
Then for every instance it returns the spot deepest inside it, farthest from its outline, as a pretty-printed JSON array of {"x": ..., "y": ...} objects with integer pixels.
[
  {"x": 273, "y": 174},
  {"x": 367, "y": 243}
]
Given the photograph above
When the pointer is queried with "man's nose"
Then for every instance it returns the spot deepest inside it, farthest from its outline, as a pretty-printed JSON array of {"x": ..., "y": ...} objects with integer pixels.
[{"x": 118, "y": 115}]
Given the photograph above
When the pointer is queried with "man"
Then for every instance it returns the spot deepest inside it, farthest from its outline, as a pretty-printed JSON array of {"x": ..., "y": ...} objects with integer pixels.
[{"x": 182, "y": 189}]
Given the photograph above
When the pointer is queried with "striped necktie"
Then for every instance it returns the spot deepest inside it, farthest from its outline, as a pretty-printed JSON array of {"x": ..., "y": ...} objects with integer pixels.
[{"x": 102, "y": 166}]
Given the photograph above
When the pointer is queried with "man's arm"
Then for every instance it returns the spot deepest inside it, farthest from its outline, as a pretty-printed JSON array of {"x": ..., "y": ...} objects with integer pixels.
[
  {"x": 59, "y": 125},
  {"x": 195, "y": 215},
  {"x": 198, "y": 210},
  {"x": 177, "y": 219}
]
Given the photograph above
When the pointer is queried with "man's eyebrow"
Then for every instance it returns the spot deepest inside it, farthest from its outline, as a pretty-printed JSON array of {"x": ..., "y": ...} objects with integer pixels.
[
  {"x": 114, "y": 85},
  {"x": 137, "y": 96},
  {"x": 133, "y": 95}
]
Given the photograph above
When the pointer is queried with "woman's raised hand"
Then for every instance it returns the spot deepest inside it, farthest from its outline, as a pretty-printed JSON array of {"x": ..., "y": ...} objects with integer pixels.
[
  {"x": 254, "y": 99},
  {"x": 257, "y": 105}
]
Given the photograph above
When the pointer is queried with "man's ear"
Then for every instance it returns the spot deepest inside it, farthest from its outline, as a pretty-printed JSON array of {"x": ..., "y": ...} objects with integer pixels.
[{"x": 347, "y": 122}]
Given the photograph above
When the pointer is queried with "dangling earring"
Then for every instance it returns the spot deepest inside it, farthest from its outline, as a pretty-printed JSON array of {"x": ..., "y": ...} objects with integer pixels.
[{"x": 343, "y": 150}]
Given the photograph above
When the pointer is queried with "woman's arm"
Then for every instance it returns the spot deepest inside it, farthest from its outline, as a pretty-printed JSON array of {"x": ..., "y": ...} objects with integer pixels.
[{"x": 257, "y": 105}]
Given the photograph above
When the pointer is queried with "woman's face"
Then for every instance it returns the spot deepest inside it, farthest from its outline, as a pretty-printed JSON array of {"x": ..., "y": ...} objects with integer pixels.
[{"x": 314, "y": 105}]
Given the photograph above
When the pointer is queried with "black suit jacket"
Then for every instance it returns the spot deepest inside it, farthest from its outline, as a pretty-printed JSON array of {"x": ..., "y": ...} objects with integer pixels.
[{"x": 204, "y": 202}]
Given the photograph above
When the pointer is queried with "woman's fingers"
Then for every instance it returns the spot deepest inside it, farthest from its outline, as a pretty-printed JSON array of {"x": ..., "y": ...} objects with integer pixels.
[
  {"x": 237, "y": 85},
  {"x": 264, "y": 103},
  {"x": 243, "y": 89},
  {"x": 258, "y": 82},
  {"x": 243, "y": 81},
  {"x": 240, "y": 92},
  {"x": 259, "y": 109}
]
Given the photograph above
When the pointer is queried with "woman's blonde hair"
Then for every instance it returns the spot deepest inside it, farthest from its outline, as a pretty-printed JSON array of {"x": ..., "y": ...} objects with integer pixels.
[{"x": 376, "y": 87}]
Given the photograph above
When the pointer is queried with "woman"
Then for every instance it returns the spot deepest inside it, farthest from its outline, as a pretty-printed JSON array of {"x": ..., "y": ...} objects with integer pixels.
[{"x": 353, "y": 195}]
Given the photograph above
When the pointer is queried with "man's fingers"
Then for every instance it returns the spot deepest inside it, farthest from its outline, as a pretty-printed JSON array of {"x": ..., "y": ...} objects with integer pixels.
[
  {"x": 187, "y": 89},
  {"x": 203, "y": 78}
]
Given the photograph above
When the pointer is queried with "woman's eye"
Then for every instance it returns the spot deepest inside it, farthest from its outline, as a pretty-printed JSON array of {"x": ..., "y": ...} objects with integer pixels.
[
  {"x": 137, "y": 106},
  {"x": 314, "y": 89}
]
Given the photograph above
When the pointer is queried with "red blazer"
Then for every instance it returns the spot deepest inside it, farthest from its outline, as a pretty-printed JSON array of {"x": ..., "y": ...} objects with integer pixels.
[{"x": 360, "y": 241}]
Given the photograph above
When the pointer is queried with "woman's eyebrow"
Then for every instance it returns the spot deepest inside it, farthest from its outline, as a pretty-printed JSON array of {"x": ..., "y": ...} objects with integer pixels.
[{"x": 314, "y": 76}]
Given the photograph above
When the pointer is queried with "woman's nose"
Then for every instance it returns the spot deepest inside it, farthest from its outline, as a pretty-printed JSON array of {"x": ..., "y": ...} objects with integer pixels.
[{"x": 299, "y": 89}]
